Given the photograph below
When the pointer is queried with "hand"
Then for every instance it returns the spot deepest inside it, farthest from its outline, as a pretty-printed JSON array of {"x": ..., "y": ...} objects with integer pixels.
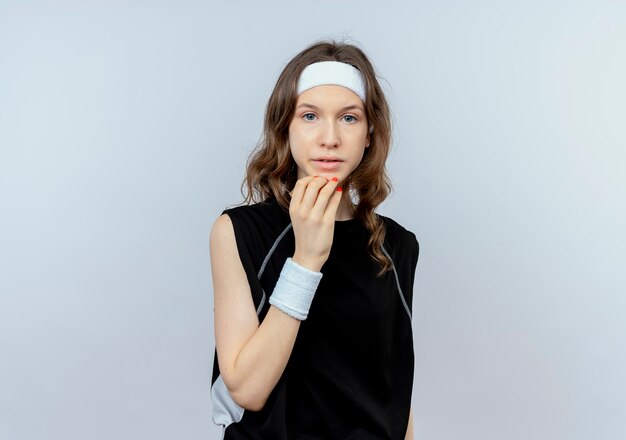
[{"x": 314, "y": 203}]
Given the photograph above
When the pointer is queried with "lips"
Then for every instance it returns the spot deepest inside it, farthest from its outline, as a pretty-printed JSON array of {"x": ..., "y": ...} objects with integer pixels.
[
  {"x": 327, "y": 163},
  {"x": 328, "y": 159}
]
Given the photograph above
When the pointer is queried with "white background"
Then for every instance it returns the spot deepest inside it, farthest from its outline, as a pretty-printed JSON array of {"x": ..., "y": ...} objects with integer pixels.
[{"x": 124, "y": 130}]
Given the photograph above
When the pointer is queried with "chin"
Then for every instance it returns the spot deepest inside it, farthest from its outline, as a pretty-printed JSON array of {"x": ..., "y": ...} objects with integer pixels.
[{"x": 329, "y": 175}]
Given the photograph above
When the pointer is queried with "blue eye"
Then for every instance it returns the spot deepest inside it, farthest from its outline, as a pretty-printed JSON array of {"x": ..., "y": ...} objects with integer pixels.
[
  {"x": 306, "y": 116},
  {"x": 350, "y": 118}
]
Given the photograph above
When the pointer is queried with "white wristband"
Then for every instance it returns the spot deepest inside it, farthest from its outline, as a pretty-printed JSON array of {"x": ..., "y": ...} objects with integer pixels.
[{"x": 295, "y": 289}]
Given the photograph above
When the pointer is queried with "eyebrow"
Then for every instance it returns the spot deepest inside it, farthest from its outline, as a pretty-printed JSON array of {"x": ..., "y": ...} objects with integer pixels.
[{"x": 348, "y": 107}]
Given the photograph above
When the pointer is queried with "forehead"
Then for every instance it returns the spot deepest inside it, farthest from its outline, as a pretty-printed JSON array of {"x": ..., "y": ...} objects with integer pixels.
[{"x": 330, "y": 96}]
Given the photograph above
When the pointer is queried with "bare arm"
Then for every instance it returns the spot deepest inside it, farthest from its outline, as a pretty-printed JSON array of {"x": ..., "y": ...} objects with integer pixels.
[
  {"x": 409, "y": 429},
  {"x": 252, "y": 357}
]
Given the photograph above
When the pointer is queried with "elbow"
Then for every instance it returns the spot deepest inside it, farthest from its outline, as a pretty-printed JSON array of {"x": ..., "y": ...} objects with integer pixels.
[
  {"x": 248, "y": 401},
  {"x": 253, "y": 405},
  {"x": 246, "y": 398}
]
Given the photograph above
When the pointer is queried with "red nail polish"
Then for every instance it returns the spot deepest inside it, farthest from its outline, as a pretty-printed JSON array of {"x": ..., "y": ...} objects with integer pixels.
[
  {"x": 339, "y": 189},
  {"x": 334, "y": 179}
]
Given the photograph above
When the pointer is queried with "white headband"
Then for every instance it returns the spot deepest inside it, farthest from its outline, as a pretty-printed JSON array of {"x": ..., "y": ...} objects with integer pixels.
[{"x": 332, "y": 73}]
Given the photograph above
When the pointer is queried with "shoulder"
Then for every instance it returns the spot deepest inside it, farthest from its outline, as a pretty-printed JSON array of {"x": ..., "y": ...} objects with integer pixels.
[
  {"x": 222, "y": 233},
  {"x": 395, "y": 232},
  {"x": 262, "y": 211},
  {"x": 235, "y": 220},
  {"x": 401, "y": 245},
  {"x": 254, "y": 227}
]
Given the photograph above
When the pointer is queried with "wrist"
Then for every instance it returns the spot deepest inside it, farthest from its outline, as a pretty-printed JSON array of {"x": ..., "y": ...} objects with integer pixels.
[
  {"x": 308, "y": 263},
  {"x": 295, "y": 289}
]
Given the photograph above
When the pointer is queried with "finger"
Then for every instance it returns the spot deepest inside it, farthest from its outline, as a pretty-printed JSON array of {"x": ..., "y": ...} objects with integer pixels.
[
  {"x": 331, "y": 209},
  {"x": 323, "y": 198},
  {"x": 298, "y": 190},
  {"x": 312, "y": 192}
]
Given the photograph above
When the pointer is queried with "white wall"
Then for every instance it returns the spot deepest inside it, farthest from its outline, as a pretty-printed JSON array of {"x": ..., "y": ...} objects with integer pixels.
[{"x": 124, "y": 128}]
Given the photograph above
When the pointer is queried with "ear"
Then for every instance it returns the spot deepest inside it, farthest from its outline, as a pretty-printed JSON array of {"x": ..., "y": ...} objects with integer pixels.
[{"x": 368, "y": 138}]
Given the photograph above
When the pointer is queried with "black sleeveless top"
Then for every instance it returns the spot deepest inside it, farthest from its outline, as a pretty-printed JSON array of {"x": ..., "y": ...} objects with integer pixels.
[{"x": 350, "y": 374}]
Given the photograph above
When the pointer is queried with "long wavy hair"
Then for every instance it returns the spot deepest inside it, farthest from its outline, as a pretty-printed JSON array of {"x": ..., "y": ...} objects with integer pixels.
[{"x": 271, "y": 170}]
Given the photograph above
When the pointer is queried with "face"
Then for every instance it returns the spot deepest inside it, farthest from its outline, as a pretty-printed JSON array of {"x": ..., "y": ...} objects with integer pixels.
[{"x": 328, "y": 133}]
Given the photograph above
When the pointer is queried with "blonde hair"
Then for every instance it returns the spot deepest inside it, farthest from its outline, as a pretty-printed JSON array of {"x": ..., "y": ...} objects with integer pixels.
[{"x": 271, "y": 170}]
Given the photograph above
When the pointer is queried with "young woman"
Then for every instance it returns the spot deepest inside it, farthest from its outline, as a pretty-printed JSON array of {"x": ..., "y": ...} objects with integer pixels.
[{"x": 312, "y": 288}]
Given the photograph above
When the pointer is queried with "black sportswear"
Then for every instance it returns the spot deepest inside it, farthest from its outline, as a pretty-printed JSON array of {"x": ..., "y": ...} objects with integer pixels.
[{"x": 350, "y": 374}]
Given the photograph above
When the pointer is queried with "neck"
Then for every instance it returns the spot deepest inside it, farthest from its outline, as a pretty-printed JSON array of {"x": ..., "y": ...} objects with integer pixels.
[{"x": 346, "y": 210}]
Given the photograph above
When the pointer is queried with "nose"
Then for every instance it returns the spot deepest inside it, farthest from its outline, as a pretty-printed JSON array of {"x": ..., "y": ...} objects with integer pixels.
[{"x": 329, "y": 136}]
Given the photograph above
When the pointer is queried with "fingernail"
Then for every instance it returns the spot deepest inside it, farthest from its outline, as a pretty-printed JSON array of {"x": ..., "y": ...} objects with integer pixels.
[
  {"x": 339, "y": 189},
  {"x": 334, "y": 179}
]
